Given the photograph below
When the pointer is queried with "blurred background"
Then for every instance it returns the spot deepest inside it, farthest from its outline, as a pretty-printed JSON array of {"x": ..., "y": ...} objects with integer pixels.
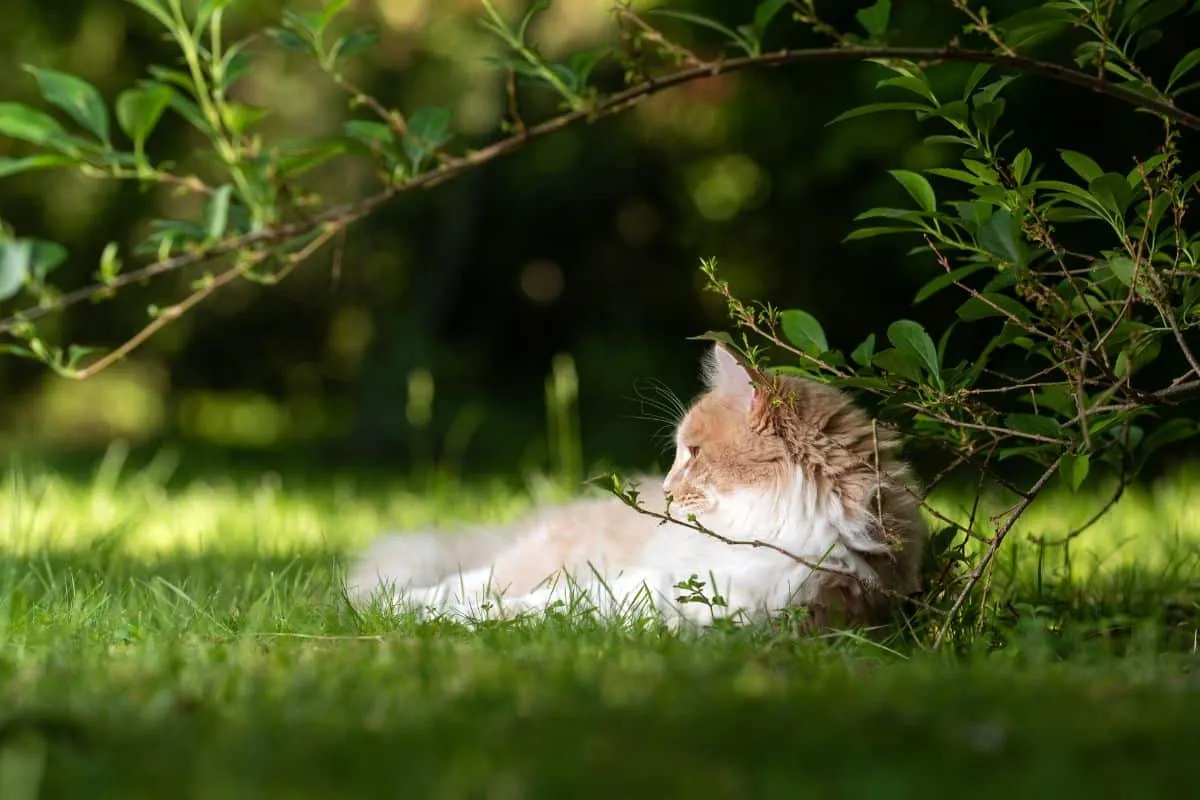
[{"x": 434, "y": 336}]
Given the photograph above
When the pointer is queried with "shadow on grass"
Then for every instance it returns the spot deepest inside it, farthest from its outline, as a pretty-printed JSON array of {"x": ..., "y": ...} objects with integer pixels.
[{"x": 243, "y": 675}]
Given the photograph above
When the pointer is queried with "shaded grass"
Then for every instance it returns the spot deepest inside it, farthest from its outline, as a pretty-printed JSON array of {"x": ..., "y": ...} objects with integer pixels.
[{"x": 193, "y": 643}]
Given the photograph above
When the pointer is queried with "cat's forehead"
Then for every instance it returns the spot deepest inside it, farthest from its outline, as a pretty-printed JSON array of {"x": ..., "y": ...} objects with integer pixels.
[{"x": 711, "y": 418}]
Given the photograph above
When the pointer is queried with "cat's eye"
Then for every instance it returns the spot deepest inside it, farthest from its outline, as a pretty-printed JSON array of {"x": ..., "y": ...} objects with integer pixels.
[{"x": 693, "y": 450}]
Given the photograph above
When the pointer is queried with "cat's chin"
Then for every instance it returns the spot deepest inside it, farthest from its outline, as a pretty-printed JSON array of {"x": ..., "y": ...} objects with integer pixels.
[
  {"x": 699, "y": 512},
  {"x": 700, "y": 507}
]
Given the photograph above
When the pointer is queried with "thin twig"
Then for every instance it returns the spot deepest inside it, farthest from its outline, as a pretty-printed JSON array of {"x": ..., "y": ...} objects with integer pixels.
[
  {"x": 1122, "y": 483},
  {"x": 980, "y": 24},
  {"x": 171, "y": 313},
  {"x": 165, "y": 317},
  {"x": 1112, "y": 501},
  {"x": 1014, "y": 514},
  {"x": 654, "y": 35},
  {"x": 394, "y": 119},
  {"x": 755, "y": 543}
]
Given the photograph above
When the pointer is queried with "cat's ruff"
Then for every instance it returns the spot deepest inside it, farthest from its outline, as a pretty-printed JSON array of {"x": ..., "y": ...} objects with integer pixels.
[{"x": 783, "y": 461}]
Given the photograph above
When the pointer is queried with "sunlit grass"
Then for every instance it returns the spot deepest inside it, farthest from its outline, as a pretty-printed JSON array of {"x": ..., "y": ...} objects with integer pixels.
[{"x": 189, "y": 639}]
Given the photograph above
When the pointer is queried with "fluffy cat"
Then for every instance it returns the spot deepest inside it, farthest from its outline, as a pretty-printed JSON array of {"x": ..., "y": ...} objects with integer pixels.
[{"x": 788, "y": 463}]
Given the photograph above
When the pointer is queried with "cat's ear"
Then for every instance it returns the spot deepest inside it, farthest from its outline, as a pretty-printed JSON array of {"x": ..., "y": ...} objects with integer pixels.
[{"x": 728, "y": 378}]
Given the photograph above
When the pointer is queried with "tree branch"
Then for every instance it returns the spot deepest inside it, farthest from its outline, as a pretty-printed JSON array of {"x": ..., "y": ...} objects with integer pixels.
[{"x": 344, "y": 215}]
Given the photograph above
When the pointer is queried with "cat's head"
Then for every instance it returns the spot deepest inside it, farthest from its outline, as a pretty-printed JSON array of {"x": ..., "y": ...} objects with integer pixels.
[
  {"x": 758, "y": 450},
  {"x": 728, "y": 441}
]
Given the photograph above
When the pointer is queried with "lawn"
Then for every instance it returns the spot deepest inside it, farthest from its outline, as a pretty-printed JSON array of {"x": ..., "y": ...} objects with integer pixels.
[{"x": 187, "y": 639}]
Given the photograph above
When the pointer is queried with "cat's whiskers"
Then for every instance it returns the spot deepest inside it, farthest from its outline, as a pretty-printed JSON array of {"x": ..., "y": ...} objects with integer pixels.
[{"x": 658, "y": 404}]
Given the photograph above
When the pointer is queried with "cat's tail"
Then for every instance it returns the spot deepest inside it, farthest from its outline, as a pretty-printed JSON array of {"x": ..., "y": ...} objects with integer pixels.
[{"x": 396, "y": 562}]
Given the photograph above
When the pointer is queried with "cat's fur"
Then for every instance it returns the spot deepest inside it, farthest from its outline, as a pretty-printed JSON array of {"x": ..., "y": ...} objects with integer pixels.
[{"x": 766, "y": 458}]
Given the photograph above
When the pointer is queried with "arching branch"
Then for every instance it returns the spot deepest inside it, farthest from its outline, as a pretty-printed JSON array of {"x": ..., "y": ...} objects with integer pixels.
[{"x": 340, "y": 217}]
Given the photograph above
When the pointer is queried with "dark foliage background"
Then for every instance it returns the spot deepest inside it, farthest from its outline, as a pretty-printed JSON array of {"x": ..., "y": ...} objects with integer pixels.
[{"x": 587, "y": 243}]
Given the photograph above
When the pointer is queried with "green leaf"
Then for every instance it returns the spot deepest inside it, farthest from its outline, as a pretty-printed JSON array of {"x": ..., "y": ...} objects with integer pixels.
[
  {"x": 874, "y": 108},
  {"x": 1073, "y": 469},
  {"x": 862, "y": 354},
  {"x": 803, "y": 330},
  {"x": 1073, "y": 194},
  {"x": 353, "y": 44},
  {"x": 1033, "y": 424},
  {"x": 712, "y": 24},
  {"x": 77, "y": 351},
  {"x": 869, "y": 233},
  {"x": 1138, "y": 354},
  {"x": 1134, "y": 176},
  {"x": 239, "y": 117},
  {"x": 305, "y": 22},
  {"x": 911, "y": 83},
  {"x": 1113, "y": 191},
  {"x": 974, "y": 211},
  {"x": 977, "y": 74},
  {"x": 75, "y": 96},
  {"x": 235, "y": 65},
  {"x": 961, "y": 141},
  {"x": 582, "y": 64},
  {"x": 331, "y": 10},
  {"x": 216, "y": 213},
  {"x": 1025, "y": 28},
  {"x": 1122, "y": 268},
  {"x": 44, "y": 258},
  {"x": 1021, "y": 165},
  {"x": 369, "y": 132},
  {"x": 1082, "y": 165},
  {"x": 12, "y": 166},
  {"x": 861, "y": 382},
  {"x": 957, "y": 175},
  {"x": 156, "y": 9},
  {"x": 1185, "y": 65},
  {"x": 1148, "y": 14},
  {"x": 986, "y": 115},
  {"x": 172, "y": 76},
  {"x": 537, "y": 7},
  {"x": 110, "y": 262},
  {"x": 898, "y": 362},
  {"x": 205, "y": 13},
  {"x": 1000, "y": 235},
  {"x": 991, "y": 304},
  {"x": 875, "y": 18},
  {"x": 910, "y": 338},
  {"x": 989, "y": 93},
  {"x": 187, "y": 109},
  {"x": 906, "y": 214},
  {"x": 428, "y": 130},
  {"x": 934, "y": 286},
  {"x": 139, "y": 110},
  {"x": 766, "y": 11},
  {"x": 27, "y": 124},
  {"x": 918, "y": 187},
  {"x": 15, "y": 259},
  {"x": 982, "y": 170},
  {"x": 298, "y": 157},
  {"x": 288, "y": 40}
]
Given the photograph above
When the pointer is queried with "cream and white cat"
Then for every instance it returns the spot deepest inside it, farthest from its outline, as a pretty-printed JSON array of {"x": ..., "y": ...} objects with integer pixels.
[{"x": 767, "y": 458}]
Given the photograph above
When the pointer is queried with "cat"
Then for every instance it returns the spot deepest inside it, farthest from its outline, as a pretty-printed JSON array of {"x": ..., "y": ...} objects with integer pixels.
[{"x": 791, "y": 468}]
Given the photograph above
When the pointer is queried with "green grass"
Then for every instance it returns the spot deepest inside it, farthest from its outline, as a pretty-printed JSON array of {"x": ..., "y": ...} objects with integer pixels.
[{"x": 191, "y": 642}]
